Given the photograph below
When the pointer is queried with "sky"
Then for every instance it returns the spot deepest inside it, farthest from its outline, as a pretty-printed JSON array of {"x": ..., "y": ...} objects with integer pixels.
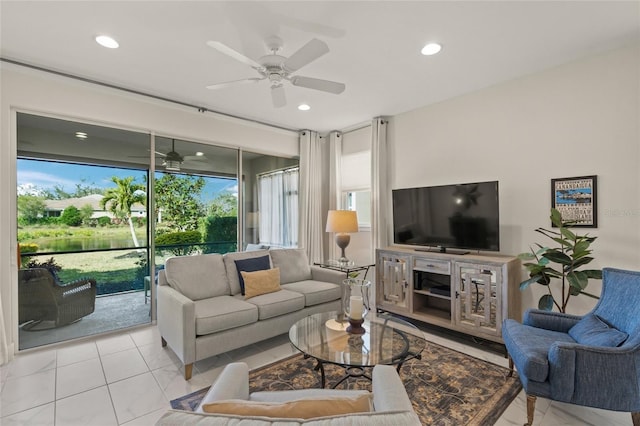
[{"x": 34, "y": 175}]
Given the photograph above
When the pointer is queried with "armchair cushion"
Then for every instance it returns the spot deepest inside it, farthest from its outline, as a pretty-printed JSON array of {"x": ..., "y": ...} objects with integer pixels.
[
  {"x": 592, "y": 331},
  {"x": 529, "y": 348},
  {"x": 251, "y": 264},
  {"x": 299, "y": 409}
]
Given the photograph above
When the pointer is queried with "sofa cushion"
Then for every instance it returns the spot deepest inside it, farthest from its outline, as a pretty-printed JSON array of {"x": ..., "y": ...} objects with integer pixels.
[
  {"x": 315, "y": 292},
  {"x": 293, "y": 263},
  {"x": 198, "y": 277},
  {"x": 232, "y": 271},
  {"x": 251, "y": 264},
  {"x": 298, "y": 409},
  {"x": 222, "y": 313},
  {"x": 275, "y": 304},
  {"x": 261, "y": 282},
  {"x": 592, "y": 331}
]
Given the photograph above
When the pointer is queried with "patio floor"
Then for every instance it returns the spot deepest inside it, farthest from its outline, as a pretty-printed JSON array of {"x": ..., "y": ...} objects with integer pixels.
[{"x": 112, "y": 312}]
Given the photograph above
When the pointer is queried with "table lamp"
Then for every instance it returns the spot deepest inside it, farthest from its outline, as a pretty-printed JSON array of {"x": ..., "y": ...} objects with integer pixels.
[{"x": 342, "y": 222}]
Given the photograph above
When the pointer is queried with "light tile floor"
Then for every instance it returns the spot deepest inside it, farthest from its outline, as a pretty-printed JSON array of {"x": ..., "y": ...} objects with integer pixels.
[{"x": 128, "y": 379}]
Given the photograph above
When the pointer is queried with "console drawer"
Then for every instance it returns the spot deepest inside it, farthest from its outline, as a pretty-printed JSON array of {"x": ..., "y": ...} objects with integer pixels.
[{"x": 430, "y": 265}]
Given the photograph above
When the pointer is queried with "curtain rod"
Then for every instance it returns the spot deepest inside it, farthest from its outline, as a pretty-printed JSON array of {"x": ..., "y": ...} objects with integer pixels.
[{"x": 137, "y": 92}]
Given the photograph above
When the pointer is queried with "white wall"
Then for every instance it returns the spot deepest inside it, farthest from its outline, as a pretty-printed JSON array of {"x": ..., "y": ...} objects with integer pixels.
[
  {"x": 575, "y": 120},
  {"x": 41, "y": 93}
]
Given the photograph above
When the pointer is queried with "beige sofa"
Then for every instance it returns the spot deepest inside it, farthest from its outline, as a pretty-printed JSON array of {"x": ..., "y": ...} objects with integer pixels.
[
  {"x": 202, "y": 313},
  {"x": 391, "y": 404}
]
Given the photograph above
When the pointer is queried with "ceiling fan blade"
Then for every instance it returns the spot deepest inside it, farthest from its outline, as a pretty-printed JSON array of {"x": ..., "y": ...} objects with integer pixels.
[
  {"x": 223, "y": 48},
  {"x": 306, "y": 54},
  {"x": 278, "y": 97},
  {"x": 195, "y": 158},
  {"x": 318, "y": 84},
  {"x": 235, "y": 83}
]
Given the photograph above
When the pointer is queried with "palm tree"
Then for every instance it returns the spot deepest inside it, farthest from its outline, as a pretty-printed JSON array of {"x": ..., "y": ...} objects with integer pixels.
[{"x": 120, "y": 199}]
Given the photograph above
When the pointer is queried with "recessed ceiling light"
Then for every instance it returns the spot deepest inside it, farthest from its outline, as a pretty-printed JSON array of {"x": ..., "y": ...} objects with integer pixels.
[
  {"x": 199, "y": 154},
  {"x": 81, "y": 135},
  {"x": 107, "y": 41},
  {"x": 304, "y": 107},
  {"x": 431, "y": 49}
]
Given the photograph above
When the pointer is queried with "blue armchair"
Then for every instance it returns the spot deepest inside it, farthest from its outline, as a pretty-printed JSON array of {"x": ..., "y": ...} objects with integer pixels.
[{"x": 591, "y": 360}]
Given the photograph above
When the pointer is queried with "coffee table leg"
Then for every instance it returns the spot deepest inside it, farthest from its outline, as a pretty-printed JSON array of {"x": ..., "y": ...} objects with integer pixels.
[{"x": 320, "y": 366}]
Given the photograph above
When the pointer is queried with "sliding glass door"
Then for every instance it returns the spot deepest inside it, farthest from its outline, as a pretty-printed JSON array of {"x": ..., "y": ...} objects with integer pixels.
[
  {"x": 82, "y": 229},
  {"x": 100, "y": 209}
]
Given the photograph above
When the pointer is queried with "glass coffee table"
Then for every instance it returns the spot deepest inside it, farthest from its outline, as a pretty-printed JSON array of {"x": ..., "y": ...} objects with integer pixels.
[{"x": 387, "y": 340}]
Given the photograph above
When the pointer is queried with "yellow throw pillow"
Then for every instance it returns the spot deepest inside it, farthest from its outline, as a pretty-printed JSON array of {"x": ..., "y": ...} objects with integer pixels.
[
  {"x": 298, "y": 409},
  {"x": 261, "y": 282}
]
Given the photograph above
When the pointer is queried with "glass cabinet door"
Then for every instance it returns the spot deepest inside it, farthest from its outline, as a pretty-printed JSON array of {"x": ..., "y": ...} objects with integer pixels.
[
  {"x": 477, "y": 297},
  {"x": 393, "y": 278}
]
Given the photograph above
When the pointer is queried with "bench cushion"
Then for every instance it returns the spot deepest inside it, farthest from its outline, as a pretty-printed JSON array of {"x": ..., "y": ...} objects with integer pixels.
[
  {"x": 223, "y": 313},
  {"x": 315, "y": 292}
]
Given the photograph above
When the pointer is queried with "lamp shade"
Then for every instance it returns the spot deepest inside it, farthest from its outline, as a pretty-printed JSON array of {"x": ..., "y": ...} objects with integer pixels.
[{"x": 342, "y": 221}]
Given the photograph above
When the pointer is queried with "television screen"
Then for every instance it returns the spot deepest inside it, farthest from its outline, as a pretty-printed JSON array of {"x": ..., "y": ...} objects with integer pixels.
[{"x": 463, "y": 216}]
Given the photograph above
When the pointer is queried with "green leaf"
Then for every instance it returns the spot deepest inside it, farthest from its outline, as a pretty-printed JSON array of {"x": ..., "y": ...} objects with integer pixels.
[
  {"x": 567, "y": 234},
  {"x": 527, "y": 283},
  {"x": 546, "y": 302},
  {"x": 556, "y": 218},
  {"x": 595, "y": 274},
  {"x": 526, "y": 256},
  {"x": 578, "y": 280},
  {"x": 574, "y": 291},
  {"x": 581, "y": 262},
  {"x": 557, "y": 257}
]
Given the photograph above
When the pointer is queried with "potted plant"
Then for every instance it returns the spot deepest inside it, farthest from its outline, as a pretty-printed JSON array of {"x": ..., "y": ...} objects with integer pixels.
[{"x": 563, "y": 263}]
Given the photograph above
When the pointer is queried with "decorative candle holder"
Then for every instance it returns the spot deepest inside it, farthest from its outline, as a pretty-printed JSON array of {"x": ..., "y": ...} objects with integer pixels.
[
  {"x": 355, "y": 303},
  {"x": 355, "y": 326}
]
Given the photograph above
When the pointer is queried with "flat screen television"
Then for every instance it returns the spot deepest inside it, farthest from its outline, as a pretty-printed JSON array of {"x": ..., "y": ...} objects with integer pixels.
[{"x": 462, "y": 216}]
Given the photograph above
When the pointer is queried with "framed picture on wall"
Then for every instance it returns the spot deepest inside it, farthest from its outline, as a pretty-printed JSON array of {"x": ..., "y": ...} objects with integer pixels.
[{"x": 576, "y": 199}]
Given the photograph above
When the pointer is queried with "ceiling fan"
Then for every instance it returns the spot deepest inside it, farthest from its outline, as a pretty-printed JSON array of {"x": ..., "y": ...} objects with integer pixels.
[
  {"x": 278, "y": 69},
  {"x": 172, "y": 160}
]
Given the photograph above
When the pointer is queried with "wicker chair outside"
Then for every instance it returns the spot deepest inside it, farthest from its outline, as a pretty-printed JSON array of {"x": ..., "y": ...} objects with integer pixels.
[{"x": 41, "y": 298}]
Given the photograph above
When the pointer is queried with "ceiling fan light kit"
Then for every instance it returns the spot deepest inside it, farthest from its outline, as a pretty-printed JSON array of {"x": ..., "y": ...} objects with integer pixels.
[{"x": 277, "y": 68}]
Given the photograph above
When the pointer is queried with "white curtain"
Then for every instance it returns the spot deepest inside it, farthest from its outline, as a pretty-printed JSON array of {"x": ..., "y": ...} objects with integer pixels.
[
  {"x": 278, "y": 206},
  {"x": 379, "y": 185},
  {"x": 311, "y": 229},
  {"x": 4, "y": 350},
  {"x": 335, "y": 181}
]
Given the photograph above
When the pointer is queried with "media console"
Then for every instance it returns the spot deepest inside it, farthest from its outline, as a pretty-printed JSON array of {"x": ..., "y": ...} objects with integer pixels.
[{"x": 471, "y": 294}]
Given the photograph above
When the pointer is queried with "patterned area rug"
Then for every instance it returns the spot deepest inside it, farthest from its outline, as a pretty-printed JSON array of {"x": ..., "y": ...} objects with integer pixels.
[{"x": 446, "y": 387}]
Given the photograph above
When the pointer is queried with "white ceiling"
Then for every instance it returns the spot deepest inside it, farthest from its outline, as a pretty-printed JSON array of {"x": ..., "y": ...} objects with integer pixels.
[{"x": 374, "y": 48}]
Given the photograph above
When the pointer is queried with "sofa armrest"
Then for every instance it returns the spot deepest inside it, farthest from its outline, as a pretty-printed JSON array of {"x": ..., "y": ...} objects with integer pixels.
[
  {"x": 232, "y": 383},
  {"x": 177, "y": 322},
  {"x": 555, "y": 321},
  {"x": 389, "y": 393},
  {"x": 327, "y": 275}
]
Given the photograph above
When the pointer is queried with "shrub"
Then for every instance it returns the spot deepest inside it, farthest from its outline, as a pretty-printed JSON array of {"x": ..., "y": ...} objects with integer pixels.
[
  {"x": 71, "y": 216},
  {"x": 221, "y": 234},
  {"x": 28, "y": 248},
  {"x": 180, "y": 243},
  {"x": 104, "y": 221}
]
